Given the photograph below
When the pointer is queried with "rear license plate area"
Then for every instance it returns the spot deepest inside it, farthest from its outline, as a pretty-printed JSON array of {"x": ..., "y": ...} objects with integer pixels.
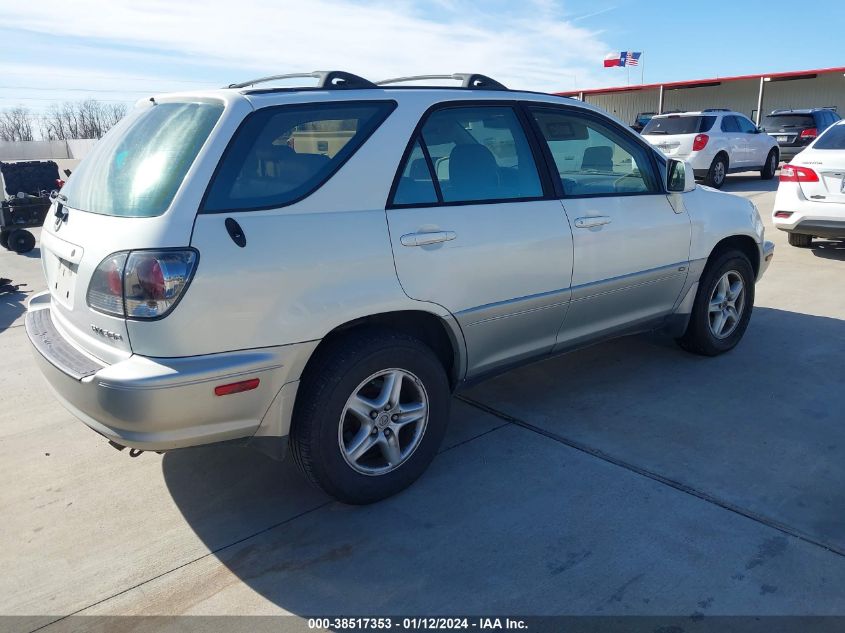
[
  {"x": 782, "y": 139},
  {"x": 64, "y": 283}
]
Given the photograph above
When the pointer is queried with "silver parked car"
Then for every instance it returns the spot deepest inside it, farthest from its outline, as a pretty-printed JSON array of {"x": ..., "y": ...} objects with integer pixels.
[{"x": 316, "y": 269}]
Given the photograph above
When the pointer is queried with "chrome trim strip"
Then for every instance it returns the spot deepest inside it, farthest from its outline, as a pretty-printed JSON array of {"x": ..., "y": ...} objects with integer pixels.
[
  {"x": 503, "y": 309},
  {"x": 614, "y": 284}
]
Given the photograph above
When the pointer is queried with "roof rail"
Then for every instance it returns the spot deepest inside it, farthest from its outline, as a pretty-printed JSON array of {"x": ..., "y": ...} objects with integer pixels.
[
  {"x": 717, "y": 110},
  {"x": 327, "y": 80},
  {"x": 473, "y": 81}
]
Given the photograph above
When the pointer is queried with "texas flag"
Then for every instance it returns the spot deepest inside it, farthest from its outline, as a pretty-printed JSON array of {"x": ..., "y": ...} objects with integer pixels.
[
  {"x": 625, "y": 58},
  {"x": 614, "y": 59}
]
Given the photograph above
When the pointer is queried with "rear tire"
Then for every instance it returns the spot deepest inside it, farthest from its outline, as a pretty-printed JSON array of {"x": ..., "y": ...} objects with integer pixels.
[
  {"x": 717, "y": 173},
  {"x": 21, "y": 241},
  {"x": 4, "y": 239},
  {"x": 722, "y": 306},
  {"x": 800, "y": 240},
  {"x": 771, "y": 166},
  {"x": 345, "y": 439}
]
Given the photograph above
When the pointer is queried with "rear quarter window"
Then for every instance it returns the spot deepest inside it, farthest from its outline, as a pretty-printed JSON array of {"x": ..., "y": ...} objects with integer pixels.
[{"x": 282, "y": 154}]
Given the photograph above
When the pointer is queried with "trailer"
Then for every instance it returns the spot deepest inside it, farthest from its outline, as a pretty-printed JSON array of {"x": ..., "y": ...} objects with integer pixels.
[{"x": 25, "y": 187}]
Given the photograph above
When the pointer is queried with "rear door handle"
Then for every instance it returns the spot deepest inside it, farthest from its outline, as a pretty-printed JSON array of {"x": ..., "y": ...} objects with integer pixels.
[
  {"x": 422, "y": 239},
  {"x": 589, "y": 222}
]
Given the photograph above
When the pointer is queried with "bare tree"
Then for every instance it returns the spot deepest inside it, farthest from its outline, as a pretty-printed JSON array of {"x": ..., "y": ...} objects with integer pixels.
[
  {"x": 16, "y": 124},
  {"x": 81, "y": 119}
]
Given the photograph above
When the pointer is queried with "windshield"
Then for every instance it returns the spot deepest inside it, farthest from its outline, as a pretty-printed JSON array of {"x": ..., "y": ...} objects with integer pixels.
[
  {"x": 136, "y": 169},
  {"x": 833, "y": 138},
  {"x": 679, "y": 125},
  {"x": 779, "y": 121}
]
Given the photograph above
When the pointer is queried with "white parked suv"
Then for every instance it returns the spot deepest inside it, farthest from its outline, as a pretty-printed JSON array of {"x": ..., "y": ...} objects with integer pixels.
[
  {"x": 715, "y": 142},
  {"x": 318, "y": 268},
  {"x": 810, "y": 201}
]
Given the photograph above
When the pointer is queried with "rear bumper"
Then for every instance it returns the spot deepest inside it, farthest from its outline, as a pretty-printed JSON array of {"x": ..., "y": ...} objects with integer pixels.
[
  {"x": 167, "y": 403},
  {"x": 818, "y": 228},
  {"x": 808, "y": 217},
  {"x": 788, "y": 152}
]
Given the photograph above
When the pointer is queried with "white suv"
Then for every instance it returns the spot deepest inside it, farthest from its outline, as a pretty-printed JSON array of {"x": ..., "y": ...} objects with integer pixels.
[
  {"x": 715, "y": 142},
  {"x": 321, "y": 267}
]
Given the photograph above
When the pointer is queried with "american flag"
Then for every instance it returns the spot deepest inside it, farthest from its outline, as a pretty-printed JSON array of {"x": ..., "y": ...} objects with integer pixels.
[{"x": 632, "y": 59}]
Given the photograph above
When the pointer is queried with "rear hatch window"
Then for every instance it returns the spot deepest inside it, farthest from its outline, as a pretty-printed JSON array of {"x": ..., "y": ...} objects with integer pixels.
[
  {"x": 680, "y": 125},
  {"x": 779, "y": 122},
  {"x": 136, "y": 169}
]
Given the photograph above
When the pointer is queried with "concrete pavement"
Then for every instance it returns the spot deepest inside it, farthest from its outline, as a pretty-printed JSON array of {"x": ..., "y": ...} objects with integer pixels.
[{"x": 628, "y": 478}]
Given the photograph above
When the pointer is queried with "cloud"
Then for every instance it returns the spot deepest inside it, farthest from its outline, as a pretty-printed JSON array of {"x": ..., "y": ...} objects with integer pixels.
[
  {"x": 592, "y": 14},
  {"x": 525, "y": 45}
]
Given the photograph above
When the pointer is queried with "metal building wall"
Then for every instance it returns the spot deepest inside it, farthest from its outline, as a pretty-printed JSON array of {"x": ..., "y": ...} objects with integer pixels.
[
  {"x": 823, "y": 91},
  {"x": 627, "y": 104},
  {"x": 740, "y": 96}
]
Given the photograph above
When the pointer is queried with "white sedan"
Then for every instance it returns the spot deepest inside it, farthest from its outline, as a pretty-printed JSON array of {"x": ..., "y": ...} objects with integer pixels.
[{"x": 810, "y": 200}]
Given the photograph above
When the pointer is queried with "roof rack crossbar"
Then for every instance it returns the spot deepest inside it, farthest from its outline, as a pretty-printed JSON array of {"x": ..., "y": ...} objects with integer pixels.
[
  {"x": 473, "y": 81},
  {"x": 327, "y": 79}
]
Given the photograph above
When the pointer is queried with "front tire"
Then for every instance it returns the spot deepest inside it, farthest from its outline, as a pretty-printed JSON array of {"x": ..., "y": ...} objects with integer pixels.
[
  {"x": 371, "y": 413},
  {"x": 800, "y": 240},
  {"x": 768, "y": 171},
  {"x": 722, "y": 306},
  {"x": 717, "y": 173},
  {"x": 4, "y": 239}
]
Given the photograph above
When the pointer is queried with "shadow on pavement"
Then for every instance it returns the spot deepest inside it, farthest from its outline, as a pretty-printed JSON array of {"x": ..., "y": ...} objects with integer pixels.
[
  {"x": 749, "y": 182},
  {"x": 829, "y": 249},
  {"x": 512, "y": 518},
  {"x": 12, "y": 304}
]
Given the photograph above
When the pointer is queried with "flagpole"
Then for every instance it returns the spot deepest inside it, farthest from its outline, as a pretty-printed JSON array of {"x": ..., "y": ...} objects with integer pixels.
[{"x": 642, "y": 70}]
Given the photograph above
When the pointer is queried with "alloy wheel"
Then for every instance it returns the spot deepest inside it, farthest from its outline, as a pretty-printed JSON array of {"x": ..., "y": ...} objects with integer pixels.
[
  {"x": 727, "y": 303},
  {"x": 383, "y": 422}
]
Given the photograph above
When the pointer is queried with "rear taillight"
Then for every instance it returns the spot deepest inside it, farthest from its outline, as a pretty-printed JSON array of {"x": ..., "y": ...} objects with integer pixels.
[
  {"x": 105, "y": 290},
  {"x": 809, "y": 133},
  {"x": 793, "y": 173},
  {"x": 783, "y": 214},
  {"x": 141, "y": 284},
  {"x": 699, "y": 142}
]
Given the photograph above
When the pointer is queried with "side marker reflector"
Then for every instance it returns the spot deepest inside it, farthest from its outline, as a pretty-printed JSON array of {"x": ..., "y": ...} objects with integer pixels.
[{"x": 236, "y": 387}]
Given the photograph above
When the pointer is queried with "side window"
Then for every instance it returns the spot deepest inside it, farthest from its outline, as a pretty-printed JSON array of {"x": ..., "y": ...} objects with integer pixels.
[
  {"x": 282, "y": 154},
  {"x": 479, "y": 154},
  {"x": 729, "y": 124},
  {"x": 592, "y": 157},
  {"x": 415, "y": 184},
  {"x": 745, "y": 125}
]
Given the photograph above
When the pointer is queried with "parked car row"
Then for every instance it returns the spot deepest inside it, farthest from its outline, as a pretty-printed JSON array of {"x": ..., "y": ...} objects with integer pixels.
[{"x": 719, "y": 141}]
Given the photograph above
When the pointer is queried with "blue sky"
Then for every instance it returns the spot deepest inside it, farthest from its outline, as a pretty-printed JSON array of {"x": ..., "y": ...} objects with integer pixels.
[{"x": 122, "y": 50}]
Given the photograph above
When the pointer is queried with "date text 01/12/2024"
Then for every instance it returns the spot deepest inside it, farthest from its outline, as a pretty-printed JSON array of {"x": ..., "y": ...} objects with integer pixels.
[{"x": 423, "y": 623}]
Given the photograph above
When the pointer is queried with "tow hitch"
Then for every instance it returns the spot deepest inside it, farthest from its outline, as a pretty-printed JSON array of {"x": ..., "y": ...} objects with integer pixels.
[{"x": 133, "y": 452}]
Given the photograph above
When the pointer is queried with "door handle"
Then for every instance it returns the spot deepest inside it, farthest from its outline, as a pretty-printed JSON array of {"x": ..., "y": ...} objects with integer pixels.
[
  {"x": 422, "y": 239},
  {"x": 589, "y": 222}
]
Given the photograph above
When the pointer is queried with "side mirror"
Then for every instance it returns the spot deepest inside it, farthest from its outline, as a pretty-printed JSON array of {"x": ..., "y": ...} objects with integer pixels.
[{"x": 680, "y": 176}]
